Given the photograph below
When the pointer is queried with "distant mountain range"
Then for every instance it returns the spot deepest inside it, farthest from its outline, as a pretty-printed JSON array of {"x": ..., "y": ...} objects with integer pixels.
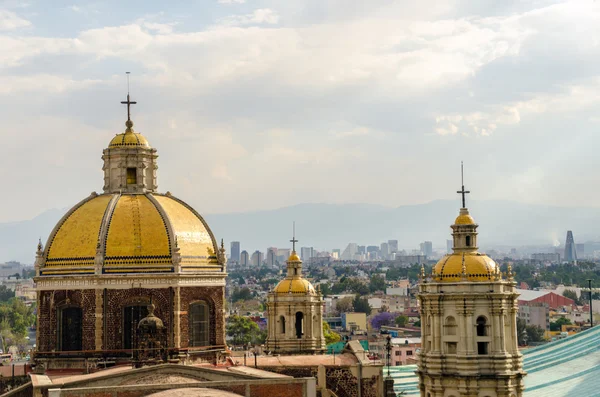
[{"x": 328, "y": 226}]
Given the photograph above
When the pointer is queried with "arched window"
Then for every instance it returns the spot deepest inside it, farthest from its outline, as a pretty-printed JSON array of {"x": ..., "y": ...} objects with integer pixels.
[
  {"x": 450, "y": 326},
  {"x": 468, "y": 241},
  {"x": 131, "y": 317},
  {"x": 70, "y": 329},
  {"x": 282, "y": 322},
  {"x": 481, "y": 326},
  {"x": 299, "y": 324},
  {"x": 199, "y": 324}
]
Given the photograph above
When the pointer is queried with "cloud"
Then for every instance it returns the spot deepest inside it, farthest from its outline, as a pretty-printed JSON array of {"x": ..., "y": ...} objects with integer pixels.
[
  {"x": 260, "y": 16},
  {"x": 231, "y": 1},
  {"x": 11, "y": 21}
]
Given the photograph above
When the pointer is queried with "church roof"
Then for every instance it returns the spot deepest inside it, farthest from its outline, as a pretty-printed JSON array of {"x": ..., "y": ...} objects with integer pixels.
[
  {"x": 129, "y": 233},
  {"x": 294, "y": 286},
  {"x": 567, "y": 367},
  {"x": 128, "y": 139},
  {"x": 477, "y": 266}
]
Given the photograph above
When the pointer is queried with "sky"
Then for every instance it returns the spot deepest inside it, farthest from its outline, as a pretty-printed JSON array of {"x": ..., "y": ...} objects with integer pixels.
[{"x": 261, "y": 104}]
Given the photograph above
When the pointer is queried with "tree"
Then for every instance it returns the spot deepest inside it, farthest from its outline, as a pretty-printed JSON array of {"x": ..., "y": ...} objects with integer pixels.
[
  {"x": 5, "y": 333},
  {"x": 241, "y": 294},
  {"x": 243, "y": 331},
  {"x": 417, "y": 323},
  {"x": 377, "y": 283},
  {"x": 383, "y": 318},
  {"x": 344, "y": 305},
  {"x": 6, "y": 294},
  {"x": 557, "y": 325},
  {"x": 401, "y": 321},
  {"x": 361, "y": 305},
  {"x": 534, "y": 333},
  {"x": 330, "y": 336},
  {"x": 571, "y": 295}
]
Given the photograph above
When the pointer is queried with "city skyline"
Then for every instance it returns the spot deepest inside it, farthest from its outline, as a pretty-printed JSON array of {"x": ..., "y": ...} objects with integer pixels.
[{"x": 435, "y": 81}]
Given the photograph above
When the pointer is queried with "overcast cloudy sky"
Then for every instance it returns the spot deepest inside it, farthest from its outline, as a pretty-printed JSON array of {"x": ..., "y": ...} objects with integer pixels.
[{"x": 258, "y": 104}]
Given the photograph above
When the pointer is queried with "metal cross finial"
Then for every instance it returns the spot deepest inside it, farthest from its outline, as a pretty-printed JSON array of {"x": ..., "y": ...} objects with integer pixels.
[
  {"x": 128, "y": 102},
  {"x": 293, "y": 240},
  {"x": 463, "y": 191}
]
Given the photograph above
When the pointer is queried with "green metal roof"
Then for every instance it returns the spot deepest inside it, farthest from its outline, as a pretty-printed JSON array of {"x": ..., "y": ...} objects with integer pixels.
[{"x": 567, "y": 367}]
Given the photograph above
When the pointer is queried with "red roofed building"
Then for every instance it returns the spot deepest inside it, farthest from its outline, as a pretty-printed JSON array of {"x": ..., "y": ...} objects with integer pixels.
[{"x": 553, "y": 300}]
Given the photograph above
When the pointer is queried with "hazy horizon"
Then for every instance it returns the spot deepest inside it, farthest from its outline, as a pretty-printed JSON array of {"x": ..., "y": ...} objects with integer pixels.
[{"x": 261, "y": 104}]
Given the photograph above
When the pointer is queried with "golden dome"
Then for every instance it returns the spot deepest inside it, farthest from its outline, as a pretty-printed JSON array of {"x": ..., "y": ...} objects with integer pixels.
[
  {"x": 464, "y": 218},
  {"x": 294, "y": 286},
  {"x": 294, "y": 257},
  {"x": 477, "y": 266},
  {"x": 129, "y": 138},
  {"x": 130, "y": 233}
]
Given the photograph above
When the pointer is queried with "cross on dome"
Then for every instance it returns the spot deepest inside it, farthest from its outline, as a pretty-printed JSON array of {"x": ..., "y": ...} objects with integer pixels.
[
  {"x": 128, "y": 102},
  {"x": 463, "y": 192},
  {"x": 293, "y": 240}
]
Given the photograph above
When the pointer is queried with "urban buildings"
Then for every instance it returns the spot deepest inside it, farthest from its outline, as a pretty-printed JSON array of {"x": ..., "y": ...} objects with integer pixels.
[
  {"x": 306, "y": 253},
  {"x": 426, "y": 248},
  {"x": 570, "y": 249},
  {"x": 235, "y": 251},
  {"x": 392, "y": 246},
  {"x": 350, "y": 252},
  {"x": 244, "y": 258},
  {"x": 257, "y": 258}
]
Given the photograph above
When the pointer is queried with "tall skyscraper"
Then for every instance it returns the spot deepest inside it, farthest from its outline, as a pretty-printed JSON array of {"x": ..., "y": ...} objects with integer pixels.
[
  {"x": 272, "y": 256},
  {"x": 427, "y": 248},
  {"x": 306, "y": 253},
  {"x": 349, "y": 252},
  {"x": 385, "y": 250},
  {"x": 257, "y": 258},
  {"x": 393, "y": 246},
  {"x": 235, "y": 251},
  {"x": 449, "y": 244},
  {"x": 570, "y": 250},
  {"x": 244, "y": 258}
]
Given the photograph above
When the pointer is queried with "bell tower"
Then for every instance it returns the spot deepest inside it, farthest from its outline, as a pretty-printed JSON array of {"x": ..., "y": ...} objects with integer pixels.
[
  {"x": 129, "y": 161},
  {"x": 469, "y": 323}
]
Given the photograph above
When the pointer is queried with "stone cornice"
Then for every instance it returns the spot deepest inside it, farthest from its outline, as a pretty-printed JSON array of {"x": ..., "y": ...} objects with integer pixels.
[{"x": 48, "y": 283}]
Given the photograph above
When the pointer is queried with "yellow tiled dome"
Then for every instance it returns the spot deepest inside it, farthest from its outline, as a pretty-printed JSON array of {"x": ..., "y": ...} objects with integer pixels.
[
  {"x": 130, "y": 233},
  {"x": 464, "y": 219},
  {"x": 478, "y": 267},
  {"x": 129, "y": 138},
  {"x": 294, "y": 286},
  {"x": 294, "y": 257}
]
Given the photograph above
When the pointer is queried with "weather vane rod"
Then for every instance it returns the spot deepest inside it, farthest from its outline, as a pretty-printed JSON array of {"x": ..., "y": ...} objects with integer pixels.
[
  {"x": 463, "y": 192},
  {"x": 293, "y": 240},
  {"x": 128, "y": 102}
]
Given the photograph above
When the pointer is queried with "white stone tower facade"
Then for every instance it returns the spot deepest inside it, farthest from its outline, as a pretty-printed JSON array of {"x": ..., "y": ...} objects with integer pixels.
[
  {"x": 469, "y": 323},
  {"x": 295, "y": 313}
]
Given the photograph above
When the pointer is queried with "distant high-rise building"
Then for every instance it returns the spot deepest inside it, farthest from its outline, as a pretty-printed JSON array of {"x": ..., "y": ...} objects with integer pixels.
[
  {"x": 393, "y": 246},
  {"x": 449, "y": 244},
  {"x": 336, "y": 253},
  {"x": 362, "y": 250},
  {"x": 385, "y": 250},
  {"x": 580, "y": 250},
  {"x": 570, "y": 250},
  {"x": 272, "y": 256},
  {"x": 306, "y": 253},
  {"x": 235, "y": 251},
  {"x": 257, "y": 258},
  {"x": 427, "y": 248},
  {"x": 244, "y": 258},
  {"x": 349, "y": 252}
]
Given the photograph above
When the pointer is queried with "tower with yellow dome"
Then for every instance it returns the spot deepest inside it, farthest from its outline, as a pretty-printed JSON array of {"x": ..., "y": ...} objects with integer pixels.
[
  {"x": 295, "y": 313},
  {"x": 113, "y": 254},
  {"x": 469, "y": 322}
]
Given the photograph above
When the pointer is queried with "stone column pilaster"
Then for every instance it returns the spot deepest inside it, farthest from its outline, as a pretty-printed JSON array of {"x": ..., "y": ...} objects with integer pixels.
[
  {"x": 99, "y": 324},
  {"x": 177, "y": 317}
]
